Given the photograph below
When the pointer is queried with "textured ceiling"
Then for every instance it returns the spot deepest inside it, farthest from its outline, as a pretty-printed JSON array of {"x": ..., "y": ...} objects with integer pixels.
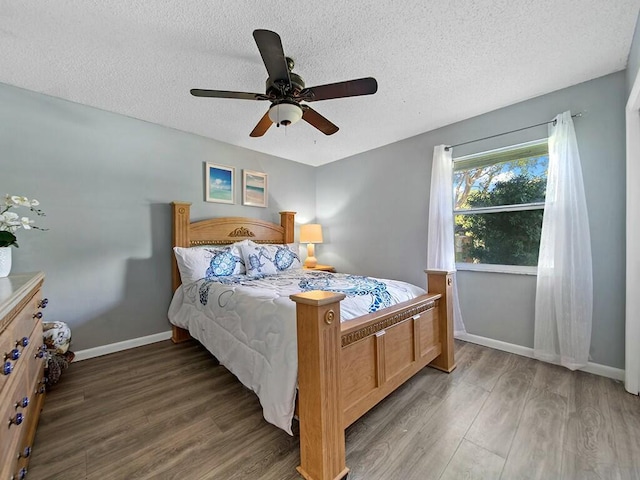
[{"x": 436, "y": 62}]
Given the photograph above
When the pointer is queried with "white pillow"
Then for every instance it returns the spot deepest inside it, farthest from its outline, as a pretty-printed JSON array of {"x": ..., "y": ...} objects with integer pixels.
[
  {"x": 210, "y": 261},
  {"x": 269, "y": 259}
]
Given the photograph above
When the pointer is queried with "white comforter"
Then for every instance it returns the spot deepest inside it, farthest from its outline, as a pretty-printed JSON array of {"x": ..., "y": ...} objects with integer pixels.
[{"x": 249, "y": 325}]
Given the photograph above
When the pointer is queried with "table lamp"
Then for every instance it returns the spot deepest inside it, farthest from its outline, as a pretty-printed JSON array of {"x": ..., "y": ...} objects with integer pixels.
[{"x": 311, "y": 233}]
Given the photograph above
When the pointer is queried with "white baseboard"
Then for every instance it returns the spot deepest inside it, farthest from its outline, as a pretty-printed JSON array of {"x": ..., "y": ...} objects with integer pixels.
[
  {"x": 595, "y": 368},
  {"x": 120, "y": 346}
]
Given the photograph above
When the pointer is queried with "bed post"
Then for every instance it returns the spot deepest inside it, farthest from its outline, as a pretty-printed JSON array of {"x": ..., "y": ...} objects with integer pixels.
[
  {"x": 322, "y": 442},
  {"x": 180, "y": 213},
  {"x": 441, "y": 281},
  {"x": 287, "y": 222}
]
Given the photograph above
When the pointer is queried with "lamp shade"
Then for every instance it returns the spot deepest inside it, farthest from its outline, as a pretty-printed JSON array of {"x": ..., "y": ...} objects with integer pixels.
[
  {"x": 311, "y": 233},
  {"x": 285, "y": 113}
]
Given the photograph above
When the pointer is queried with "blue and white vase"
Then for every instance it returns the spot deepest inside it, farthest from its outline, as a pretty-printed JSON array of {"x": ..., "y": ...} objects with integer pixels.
[{"x": 5, "y": 261}]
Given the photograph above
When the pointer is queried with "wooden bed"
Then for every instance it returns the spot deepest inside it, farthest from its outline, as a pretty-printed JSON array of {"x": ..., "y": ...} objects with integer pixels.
[{"x": 344, "y": 369}]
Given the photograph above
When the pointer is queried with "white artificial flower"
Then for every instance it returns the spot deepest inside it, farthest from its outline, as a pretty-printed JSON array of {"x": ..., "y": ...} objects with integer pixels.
[
  {"x": 10, "y": 217},
  {"x": 26, "y": 223},
  {"x": 9, "y": 222},
  {"x": 21, "y": 201},
  {"x": 34, "y": 202}
]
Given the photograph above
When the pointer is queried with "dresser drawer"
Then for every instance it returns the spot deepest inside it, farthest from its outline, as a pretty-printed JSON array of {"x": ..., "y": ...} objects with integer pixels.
[
  {"x": 19, "y": 344},
  {"x": 19, "y": 453},
  {"x": 27, "y": 319},
  {"x": 7, "y": 355},
  {"x": 15, "y": 343},
  {"x": 22, "y": 453},
  {"x": 13, "y": 416},
  {"x": 24, "y": 389},
  {"x": 18, "y": 337}
]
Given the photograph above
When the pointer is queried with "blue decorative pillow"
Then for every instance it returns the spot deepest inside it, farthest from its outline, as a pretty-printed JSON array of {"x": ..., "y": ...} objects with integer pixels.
[
  {"x": 225, "y": 262},
  {"x": 207, "y": 262},
  {"x": 269, "y": 259}
]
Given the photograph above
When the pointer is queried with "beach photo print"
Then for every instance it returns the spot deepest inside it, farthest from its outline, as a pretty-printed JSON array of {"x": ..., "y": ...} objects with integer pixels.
[
  {"x": 219, "y": 183},
  {"x": 254, "y": 188}
]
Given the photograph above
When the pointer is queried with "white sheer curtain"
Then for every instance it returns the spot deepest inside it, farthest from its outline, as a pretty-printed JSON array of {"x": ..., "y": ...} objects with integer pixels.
[
  {"x": 564, "y": 293},
  {"x": 440, "y": 246}
]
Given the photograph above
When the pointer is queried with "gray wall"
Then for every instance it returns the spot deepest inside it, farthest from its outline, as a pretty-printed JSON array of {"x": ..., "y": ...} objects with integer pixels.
[
  {"x": 105, "y": 182},
  {"x": 374, "y": 208},
  {"x": 633, "y": 64}
]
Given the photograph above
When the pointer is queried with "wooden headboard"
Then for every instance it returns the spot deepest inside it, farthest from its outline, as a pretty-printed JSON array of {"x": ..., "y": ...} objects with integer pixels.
[{"x": 223, "y": 231}]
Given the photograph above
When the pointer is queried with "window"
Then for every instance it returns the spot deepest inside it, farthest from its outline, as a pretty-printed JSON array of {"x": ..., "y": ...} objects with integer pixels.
[{"x": 498, "y": 206}]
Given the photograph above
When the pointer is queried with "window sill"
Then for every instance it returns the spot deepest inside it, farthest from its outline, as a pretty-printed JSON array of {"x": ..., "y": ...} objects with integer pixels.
[{"x": 484, "y": 267}]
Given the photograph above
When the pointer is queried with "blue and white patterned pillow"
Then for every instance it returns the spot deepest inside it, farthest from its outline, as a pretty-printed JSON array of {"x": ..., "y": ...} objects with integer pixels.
[
  {"x": 269, "y": 259},
  {"x": 225, "y": 262},
  {"x": 209, "y": 261}
]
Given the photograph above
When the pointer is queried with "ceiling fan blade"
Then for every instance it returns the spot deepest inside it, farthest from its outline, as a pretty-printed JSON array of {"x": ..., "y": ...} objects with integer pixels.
[
  {"x": 315, "y": 119},
  {"x": 350, "y": 88},
  {"x": 197, "y": 92},
  {"x": 262, "y": 126},
  {"x": 270, "y": 47}
]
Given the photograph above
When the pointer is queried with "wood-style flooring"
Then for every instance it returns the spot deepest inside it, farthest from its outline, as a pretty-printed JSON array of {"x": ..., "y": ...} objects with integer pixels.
[{"x": 167, "y": 411}]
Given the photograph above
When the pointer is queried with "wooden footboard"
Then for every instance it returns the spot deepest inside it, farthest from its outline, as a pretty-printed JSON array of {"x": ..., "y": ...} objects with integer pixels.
[{"x": 346, "y": 369}]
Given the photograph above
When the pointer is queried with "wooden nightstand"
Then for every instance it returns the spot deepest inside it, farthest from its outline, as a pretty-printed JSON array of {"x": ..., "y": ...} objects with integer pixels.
[{"x": 322, "y": 268}]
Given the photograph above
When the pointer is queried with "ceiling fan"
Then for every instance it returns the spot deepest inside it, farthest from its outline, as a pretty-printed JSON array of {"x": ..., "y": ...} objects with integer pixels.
[{"x": 286, "y": 90}]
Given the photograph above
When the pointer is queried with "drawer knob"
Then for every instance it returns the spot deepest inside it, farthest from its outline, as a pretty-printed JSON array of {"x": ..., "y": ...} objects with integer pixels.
[
  {"x": 43, "y": 303},
  {"x": 7, "y": 368},
  {"x": 40, "y": 354},
  {"x": 17, "y": 420},
  {"x": 24, "y": 341},
  {"x": 22, "y": 474},
  {"x": 41, "y": 388},
  {"x": 37, "y": 315},
  {"x": 12, "y": 355},
  {"x": 24, "y": 403},
  {"x": 26, "y": 453}
]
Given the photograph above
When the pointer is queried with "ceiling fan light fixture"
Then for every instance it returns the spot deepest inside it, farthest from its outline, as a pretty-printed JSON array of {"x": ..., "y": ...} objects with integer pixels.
[{"x": 285, "y": 113}]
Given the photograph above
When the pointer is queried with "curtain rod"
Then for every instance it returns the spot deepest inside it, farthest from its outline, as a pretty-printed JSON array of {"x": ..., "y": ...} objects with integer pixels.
[{"x": 506, "y": 133}]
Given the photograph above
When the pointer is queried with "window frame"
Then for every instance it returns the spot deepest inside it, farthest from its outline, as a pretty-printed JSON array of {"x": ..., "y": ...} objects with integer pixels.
[{"x": 489, "y": 267}]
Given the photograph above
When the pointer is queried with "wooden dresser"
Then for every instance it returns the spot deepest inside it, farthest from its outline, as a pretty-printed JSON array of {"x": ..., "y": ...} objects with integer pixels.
[{"x": 22, "y": 388}]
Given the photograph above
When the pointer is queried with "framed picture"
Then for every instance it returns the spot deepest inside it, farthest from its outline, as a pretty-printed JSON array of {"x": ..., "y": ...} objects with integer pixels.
[
  {"x": 219, "y": 184},
  {"x": 254, "y": 188}
]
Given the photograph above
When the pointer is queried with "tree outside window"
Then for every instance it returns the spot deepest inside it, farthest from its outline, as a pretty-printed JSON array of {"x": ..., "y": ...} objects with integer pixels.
[{"x": 499, "y": 203}]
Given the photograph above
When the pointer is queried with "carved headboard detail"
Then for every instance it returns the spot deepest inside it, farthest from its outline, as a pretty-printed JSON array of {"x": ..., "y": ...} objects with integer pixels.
[{"x": 242, "y": 232}]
